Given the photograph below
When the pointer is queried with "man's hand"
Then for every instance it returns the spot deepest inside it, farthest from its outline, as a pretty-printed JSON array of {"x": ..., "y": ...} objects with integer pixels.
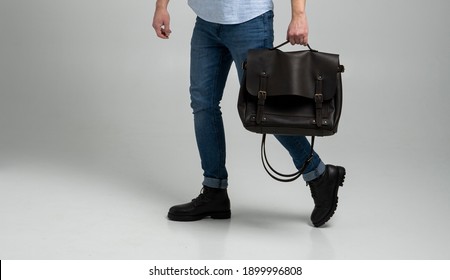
[
  {"x": 298, "y": 28},
  {"x": 298, "y": 31},
  {"x": 161, "y": 21}
]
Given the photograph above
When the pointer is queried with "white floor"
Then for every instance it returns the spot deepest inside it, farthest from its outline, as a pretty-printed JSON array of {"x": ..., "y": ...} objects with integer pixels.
[{"x": 108, "y": 199}]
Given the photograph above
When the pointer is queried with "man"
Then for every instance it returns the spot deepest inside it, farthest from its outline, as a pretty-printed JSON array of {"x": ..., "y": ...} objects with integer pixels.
[{"x": 223, "y": 33}]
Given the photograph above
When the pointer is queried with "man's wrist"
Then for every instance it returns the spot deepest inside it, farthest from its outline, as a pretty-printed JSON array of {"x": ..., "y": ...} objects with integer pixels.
[
  {"x": 298, "y": 14},
  {"x": 298, "y": 8},
  {"x": 162, "y": 4}
]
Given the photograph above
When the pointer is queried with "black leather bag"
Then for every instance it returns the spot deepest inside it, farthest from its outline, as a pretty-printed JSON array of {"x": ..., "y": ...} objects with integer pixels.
[
  {"x": 291, "y": 93},
  {"x": 294, "y": 93}
]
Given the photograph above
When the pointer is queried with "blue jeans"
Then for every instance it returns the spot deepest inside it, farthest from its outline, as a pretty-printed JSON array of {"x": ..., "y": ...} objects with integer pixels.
[{"x": 214, "y": 47}]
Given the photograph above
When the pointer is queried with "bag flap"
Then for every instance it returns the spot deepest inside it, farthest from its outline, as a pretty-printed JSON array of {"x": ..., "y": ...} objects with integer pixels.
[{"x": 292, "y": 73}]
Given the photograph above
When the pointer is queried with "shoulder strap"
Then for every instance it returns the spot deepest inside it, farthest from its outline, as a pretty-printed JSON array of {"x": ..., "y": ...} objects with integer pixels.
[{"x": 280, "y": 176}]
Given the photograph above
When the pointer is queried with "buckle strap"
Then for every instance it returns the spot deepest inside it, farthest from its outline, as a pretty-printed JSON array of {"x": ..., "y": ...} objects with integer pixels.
[
  {"x": 318, "y": 99},
  {"x": 262, "y": 95}
]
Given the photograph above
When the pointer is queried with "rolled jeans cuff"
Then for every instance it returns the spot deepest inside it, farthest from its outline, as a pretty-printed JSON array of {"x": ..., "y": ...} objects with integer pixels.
[
  {"x": 316, "y": 173},
  {"x": 215, "y": 183}
]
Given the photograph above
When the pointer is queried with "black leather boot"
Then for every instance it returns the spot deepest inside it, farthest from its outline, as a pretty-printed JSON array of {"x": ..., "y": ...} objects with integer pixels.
[
  {"x": 324, "y": 191},
  {"x": 212, "y": 202}
]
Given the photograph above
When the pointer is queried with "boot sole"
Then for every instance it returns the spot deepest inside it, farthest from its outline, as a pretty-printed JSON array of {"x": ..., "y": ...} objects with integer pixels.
[
  {"x": 340, "y": 183},
  {"x": 215, "y": 215}
]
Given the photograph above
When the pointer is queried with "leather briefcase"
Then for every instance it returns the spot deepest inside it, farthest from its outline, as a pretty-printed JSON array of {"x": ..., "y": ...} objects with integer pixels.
[{"x": 293, "y": 93}]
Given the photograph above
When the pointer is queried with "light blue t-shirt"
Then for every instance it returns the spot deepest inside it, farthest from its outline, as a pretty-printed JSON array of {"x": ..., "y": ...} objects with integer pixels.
[{"x": 230, "y": 11}]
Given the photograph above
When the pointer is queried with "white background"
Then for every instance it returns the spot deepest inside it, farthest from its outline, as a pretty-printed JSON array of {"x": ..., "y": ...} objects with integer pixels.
[{"x": 96, "y": 137}]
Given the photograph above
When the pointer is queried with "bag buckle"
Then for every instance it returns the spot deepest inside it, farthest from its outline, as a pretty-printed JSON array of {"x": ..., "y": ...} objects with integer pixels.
[
  {"x": 262, "y": 94},
  {"x": 318, "y": 98}
]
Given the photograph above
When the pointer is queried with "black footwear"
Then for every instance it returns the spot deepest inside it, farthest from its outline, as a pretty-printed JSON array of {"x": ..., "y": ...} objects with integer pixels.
[
  {"x": 211, "y": 202},
  {"x": 324, "y": 191}
]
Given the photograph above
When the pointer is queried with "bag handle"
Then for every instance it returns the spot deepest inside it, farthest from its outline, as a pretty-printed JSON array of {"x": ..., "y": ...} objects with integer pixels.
[
  {"x": 280, "y": 176},
  {"x": 287, "y": 41}
]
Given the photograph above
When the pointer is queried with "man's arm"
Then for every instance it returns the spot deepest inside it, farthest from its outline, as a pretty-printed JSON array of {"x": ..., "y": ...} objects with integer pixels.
[
  {"x": 298, "y": 28},
  {"x": 161, "y": 19}
]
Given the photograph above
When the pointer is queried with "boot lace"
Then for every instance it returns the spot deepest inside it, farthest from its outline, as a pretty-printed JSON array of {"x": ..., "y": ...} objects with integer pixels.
[{"x": 201, "y": 198}]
